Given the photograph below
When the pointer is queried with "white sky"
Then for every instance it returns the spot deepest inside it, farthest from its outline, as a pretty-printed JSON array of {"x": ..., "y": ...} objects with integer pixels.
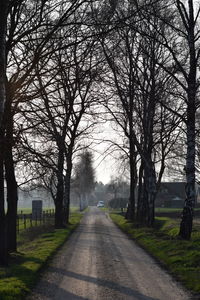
[
  {"x": 104, "y": 170},
  {"x": 106, "y": 163}
]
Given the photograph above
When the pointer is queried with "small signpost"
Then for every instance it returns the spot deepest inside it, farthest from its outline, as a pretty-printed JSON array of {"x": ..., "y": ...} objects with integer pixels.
[{"x": 36, "y": 209}]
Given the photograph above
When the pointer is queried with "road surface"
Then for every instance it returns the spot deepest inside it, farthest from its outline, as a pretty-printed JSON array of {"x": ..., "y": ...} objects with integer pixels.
[{"x": 99, "y": 262}]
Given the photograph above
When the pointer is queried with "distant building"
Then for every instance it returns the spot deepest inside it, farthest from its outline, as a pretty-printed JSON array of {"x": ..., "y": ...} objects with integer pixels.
[{"x": 172, "y": 194}]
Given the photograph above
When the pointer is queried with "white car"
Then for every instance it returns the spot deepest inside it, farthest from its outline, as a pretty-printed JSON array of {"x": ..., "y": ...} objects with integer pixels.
[{"x": 100, "y": 204}]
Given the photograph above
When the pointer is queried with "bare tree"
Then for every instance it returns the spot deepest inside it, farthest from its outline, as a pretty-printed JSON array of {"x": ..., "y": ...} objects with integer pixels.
[
  {"x": 3, "y": 27},
  {"x": 181, "y": 43},
  {"x": 84, "y": 179},
  {"x": 31, "y": 30},
  {"x": 135, "y": 86},
  {"x": 55, "y": 114}
]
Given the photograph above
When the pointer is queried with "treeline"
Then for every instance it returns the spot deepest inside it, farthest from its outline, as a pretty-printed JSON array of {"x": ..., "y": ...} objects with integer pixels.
[
  {"x": 151, "y": 88},
  {"x": 60, "y": 61},
  {"x": 47, "y": 80}
]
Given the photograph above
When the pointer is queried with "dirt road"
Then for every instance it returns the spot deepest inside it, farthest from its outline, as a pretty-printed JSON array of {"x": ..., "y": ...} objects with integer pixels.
[{"x": 99, "y": 262}]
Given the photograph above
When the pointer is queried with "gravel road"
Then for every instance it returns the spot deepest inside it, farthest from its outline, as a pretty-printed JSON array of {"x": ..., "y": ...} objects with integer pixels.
[{"x": 99, "y": 262}]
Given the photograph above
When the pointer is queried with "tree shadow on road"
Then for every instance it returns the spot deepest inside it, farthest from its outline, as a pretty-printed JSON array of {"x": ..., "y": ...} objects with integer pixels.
[
  {"x": 101, "y": 282},
  {"x": 46, "y": 290}
]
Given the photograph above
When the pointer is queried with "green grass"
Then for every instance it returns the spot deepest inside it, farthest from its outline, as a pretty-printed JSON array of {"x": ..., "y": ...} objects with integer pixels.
[
  {"x": 171, "y": 209},
  {"x": 104, "y": 208},
  {"x": 168, "y": 209},
  {"x": 28, "y": 210},
  {"x": 34, "y": 251},
  {"x": 158, "y": 209},
  {"x": 74, "y": 208},
  {"x": 23, "y": 225},
  {"x": 181, "y": 258}
]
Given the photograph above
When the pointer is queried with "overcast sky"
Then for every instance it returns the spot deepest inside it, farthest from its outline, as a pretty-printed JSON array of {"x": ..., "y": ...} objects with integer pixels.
[{"x": 106, "y": 162}]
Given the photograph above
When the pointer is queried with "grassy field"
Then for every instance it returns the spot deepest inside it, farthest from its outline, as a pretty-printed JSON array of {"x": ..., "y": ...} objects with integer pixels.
[
  {"x": 158, "y": 209},
  {"x": 168, "y": 209},
  {"x": 35, "y": 247},
  {"x": 25, "y": 224},
  {"x": 181, "y": 258},
  {"x": 28, "y": 210}
]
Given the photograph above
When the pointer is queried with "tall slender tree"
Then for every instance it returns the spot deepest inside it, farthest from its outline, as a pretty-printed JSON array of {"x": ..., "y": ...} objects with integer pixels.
[
  {"x": 3, "y": 29},
  {"x": 181, "y": 43},
  {"x": 84, "y": 177}
]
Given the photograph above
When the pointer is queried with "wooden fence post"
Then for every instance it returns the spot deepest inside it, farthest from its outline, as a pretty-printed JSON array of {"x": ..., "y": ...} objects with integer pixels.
[
  {"x": 24, "y": 221},
  {"x": 31, "y": 223},
  {"x": 17, "y": 224}
]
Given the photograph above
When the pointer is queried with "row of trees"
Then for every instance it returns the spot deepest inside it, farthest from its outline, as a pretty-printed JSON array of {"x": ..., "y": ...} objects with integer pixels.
[
  {"x": 59, "y": 59},
  {"x": 152, "y": 91},
  {"x": 47, "y": 81}
]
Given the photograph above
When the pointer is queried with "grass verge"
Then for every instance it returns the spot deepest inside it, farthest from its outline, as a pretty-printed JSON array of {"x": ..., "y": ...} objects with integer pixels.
[
  {"x": 34, "y": 251},
  {"x": 181, "y": 258}
]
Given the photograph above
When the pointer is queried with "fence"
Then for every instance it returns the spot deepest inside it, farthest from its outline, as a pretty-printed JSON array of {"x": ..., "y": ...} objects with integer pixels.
[{"x": 25, "y": 220}]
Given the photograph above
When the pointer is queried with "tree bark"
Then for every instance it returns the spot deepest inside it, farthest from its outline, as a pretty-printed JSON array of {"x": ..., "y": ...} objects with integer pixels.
[
  {"x": 144, "y": 203},
  {"x": 140, "y": 194},
  {"x": 12, "y": 198},
  {"x": 151, "y": 192},
  {"x": 12, "y": 193},
  {"x": 67, "y": 190},
  {"x": 3, "y": 27},
  {"x": 58, "y": 213},
  {"x": 187, "y": 214},
  {"x": 130, "y": 215},
  {"x": 147, "y": 194},
  {"x": 3, "y": 241},
  {"x": 59, "y": 193}
]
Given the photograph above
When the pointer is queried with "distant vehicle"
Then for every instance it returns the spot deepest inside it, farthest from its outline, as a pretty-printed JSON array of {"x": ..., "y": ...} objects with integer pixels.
[{"x": 100, "y": 204}]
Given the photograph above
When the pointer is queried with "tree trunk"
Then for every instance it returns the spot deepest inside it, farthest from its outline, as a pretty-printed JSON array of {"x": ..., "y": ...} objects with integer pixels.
[
  {"x": 3, "y": 27},
  {"x": 151, "y": 192},
  {"x": 187, "y": 214},
  {"x": 146, "y": 209},
  {"x": 12, "y": 199},
  {"x": 3, "y": 244},
  {"x": 12, "y": 193},
  {"x": 59, "y": 193},
  {"x": 11, "y": 216},
  {"x": 67, "y": 191},
  {"x": 140, "y": 195},
  {"x": 59, "y": 205},
  {"x": 58, "y": 213},
  {"x": 144, "y": 203},
  {"x": 130, "y": 215}
]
